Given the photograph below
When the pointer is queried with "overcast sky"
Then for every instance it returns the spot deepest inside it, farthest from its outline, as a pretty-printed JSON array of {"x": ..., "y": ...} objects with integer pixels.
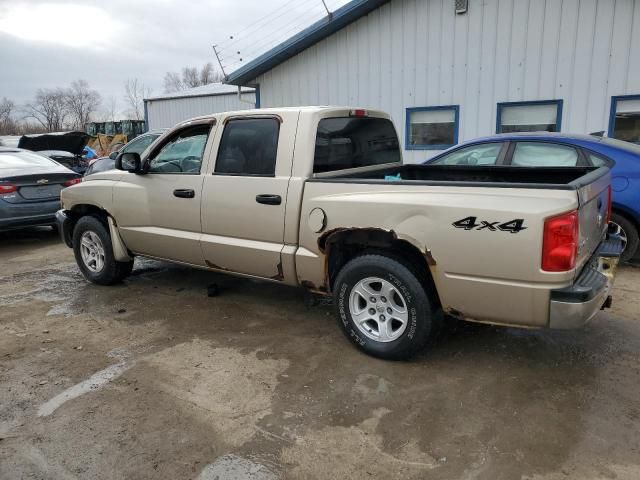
[{"x": 46, "y": 44}]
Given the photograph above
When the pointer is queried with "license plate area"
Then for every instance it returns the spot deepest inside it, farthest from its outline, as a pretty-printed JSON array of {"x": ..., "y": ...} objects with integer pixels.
[{"x": 40, "y": 192}]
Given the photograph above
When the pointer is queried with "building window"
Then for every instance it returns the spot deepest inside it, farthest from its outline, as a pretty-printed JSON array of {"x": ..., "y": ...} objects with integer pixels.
[
  {"x": 538, "y": 116},
  {"x": 432, "y": 128},
  {"x": 624, "y": 120}
]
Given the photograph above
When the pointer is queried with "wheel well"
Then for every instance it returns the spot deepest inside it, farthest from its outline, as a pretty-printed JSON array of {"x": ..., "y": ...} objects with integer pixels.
[
  {"x": 627, "y": 216},
  {"x": 342, "y": 246},
  {"x": 83, "y": 210}
]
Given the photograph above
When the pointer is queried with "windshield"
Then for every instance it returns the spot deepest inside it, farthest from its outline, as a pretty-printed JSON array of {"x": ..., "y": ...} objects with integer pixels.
[{"x": 24, "y": 159}]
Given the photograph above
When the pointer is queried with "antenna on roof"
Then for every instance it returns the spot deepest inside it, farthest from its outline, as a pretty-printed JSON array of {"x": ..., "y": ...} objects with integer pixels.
[{"x": 219, "y": 62}]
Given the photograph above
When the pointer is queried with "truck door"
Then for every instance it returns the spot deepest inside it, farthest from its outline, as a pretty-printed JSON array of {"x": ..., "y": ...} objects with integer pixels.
[
  {"x": 158, "y": 213},
  {"x": 244, "y": 198}
]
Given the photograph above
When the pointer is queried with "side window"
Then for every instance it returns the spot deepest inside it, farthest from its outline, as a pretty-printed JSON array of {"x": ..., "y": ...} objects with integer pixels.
[
  {"x": 182, "y": 154},
  {"x": 484, "y": 154},
  {"x": 536, "y": 154},
  {"x": 249, "y": 146},
  {"x": 139, "y": 145}
]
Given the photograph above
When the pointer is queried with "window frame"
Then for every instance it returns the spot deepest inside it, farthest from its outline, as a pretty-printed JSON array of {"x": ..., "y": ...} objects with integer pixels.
[
  {"x": 169, "y": 138},
  {"x": 501, "y": 105},
  {"x": 612, "y": 112},
  {"x": 234, "y": 118},
  {"x": 444, "y": 146}
]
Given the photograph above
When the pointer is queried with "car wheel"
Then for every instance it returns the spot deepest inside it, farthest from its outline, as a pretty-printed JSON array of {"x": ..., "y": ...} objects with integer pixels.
[
  {"x": 382, "y": 307},
  {"x": 94, "y": 253},
  {"x": 629, "y": 234}
]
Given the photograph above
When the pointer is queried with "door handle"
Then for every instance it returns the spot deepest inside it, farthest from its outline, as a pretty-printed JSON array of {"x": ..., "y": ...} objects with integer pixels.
[
  {"x": 184, "y": 193},
  {"x": 269, "y": 199}
]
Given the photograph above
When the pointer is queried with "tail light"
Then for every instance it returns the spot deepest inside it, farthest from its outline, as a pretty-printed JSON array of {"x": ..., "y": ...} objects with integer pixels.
[
  {"x": 7, "y": 188},
  {"x": 609, "y": 202},
  {"x": 73, "y": 181},
  {"x": 560, "y": 242}
]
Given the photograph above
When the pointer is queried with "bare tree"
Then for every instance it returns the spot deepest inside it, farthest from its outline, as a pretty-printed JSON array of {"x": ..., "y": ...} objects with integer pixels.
[
  {"x": 112, "y": 109},
  {"x": 172, "y": 82},
  {"x": 135, "y": 92},
  {"x": 7, "y": 125},
  {"x": 191, "y": 77},
  {"x": 49, "y": 108},
  {"x": 82, "y": 102}
]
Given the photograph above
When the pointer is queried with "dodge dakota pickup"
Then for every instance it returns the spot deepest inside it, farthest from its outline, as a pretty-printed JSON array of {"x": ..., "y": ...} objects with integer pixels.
[{"x": 319, "y": 197}]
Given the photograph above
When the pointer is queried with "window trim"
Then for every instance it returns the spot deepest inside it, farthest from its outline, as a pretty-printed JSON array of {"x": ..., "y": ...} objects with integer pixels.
[
  {"x": 444, "y": 146},
  {"x": 558, "y": 103},
  {"x": 612, "y": 112},
  {"x": 239, "y": 118}
]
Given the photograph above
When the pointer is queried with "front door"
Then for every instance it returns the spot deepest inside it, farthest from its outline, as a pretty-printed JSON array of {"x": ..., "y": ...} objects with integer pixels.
[
  {"x": 244, "y": 199},
  {"x": 159, "y": 212}
]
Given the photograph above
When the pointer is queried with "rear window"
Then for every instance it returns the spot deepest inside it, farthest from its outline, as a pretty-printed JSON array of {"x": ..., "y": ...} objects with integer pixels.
[
  {"x": 349, "y": 142},
  {"x": 24, "y": 159}
]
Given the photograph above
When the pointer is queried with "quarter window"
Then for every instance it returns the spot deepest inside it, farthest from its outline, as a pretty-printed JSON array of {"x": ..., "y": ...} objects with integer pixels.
[
  {"x": 535, "y": 154},
  {"x": 432, "y": 127},
  {"x": 624, "y": 123},
  {"x": 249, "y": 147},
  {"x": 484, "y": 154},
  {"x": 182, "y": 154},
  {"x": 539, "y": 116}
]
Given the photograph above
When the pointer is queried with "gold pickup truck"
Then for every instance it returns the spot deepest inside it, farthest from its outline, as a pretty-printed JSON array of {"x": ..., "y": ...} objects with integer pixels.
[{"x": 319, "y": 197}]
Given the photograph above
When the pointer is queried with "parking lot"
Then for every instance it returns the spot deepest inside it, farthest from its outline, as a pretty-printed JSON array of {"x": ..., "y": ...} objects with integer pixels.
[{"x": 155, "y": 379}]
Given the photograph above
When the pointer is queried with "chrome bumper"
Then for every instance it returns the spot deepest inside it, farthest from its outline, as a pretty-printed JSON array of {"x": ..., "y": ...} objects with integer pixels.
[{"x": 574, "y": 306}]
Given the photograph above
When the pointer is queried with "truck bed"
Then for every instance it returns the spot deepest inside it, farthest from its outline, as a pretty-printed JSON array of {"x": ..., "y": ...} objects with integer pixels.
[{"x": 556, "y": 178}]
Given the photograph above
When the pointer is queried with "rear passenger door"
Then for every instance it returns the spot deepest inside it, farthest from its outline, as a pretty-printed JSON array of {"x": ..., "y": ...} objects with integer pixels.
[{"x": 244, "y": 198}]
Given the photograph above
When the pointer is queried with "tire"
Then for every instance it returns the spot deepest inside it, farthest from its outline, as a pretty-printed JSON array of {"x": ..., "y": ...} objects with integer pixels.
[
  {"x": 628, "y": 230},
  {"x": 387, "y": 333},
  {"x": 101, "y": 267}
]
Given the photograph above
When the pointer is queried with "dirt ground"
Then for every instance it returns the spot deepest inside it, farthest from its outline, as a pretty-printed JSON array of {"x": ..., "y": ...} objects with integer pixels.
[{"x": 154, "y": 379}]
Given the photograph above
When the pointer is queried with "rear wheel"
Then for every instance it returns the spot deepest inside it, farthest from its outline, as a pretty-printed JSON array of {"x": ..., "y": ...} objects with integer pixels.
[
  {"x": 94, "y": 253},
  {"x": 629, "y": 234},
  {"x": 382, "y": 307}
]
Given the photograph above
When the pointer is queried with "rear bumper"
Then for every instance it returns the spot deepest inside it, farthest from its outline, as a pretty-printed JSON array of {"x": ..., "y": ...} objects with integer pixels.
[
  {"x": 573, "y": 306},
  {"x": 17, "y": 215},
  {"x": 65, "y": 227}
]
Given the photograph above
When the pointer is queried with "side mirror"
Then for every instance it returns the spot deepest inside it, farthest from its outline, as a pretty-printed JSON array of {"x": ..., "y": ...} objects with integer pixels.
[
  {"x": 129, "y": 162},
  {"x": 113, "y": 155}
]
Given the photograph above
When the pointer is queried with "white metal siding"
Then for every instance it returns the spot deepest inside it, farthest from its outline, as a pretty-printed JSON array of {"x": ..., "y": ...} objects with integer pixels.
[
  {"x": 164, "y": 113},
  {"x": 415, "y": 53}
]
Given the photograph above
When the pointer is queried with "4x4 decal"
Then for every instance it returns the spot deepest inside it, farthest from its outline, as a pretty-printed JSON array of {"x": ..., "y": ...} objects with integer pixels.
[{"x": 471, "y": 223}]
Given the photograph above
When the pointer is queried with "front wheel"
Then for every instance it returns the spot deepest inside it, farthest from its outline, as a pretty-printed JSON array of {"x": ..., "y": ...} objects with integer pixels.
[
  {"x": 629, "y": 234},
  {"x": 382, "y": 307},
  {"x": 94, "y": 253}
]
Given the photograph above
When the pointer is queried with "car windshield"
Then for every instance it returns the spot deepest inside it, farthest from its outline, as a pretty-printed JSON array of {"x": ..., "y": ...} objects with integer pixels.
[{"x": 24, "y": 159}]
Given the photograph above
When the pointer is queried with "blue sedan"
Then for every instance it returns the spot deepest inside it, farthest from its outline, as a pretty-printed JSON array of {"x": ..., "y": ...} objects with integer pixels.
[{"x": 562, "y": 150}]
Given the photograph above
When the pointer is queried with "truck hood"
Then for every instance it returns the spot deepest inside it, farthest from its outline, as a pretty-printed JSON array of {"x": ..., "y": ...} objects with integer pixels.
[{"x": 72, "y": 142}]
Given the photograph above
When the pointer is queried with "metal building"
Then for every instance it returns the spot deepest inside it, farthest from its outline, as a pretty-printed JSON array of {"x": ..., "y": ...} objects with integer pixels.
[
  {"x": 166, "y": 110},
  {"x": 452, "y": 70}
]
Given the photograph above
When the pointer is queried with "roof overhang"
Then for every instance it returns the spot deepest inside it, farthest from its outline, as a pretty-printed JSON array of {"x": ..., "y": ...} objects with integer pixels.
[{"x": 320, "y": 30}]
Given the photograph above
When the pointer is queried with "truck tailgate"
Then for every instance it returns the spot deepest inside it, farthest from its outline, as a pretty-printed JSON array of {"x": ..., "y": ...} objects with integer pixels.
[{"x": 593, "y": 199}]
